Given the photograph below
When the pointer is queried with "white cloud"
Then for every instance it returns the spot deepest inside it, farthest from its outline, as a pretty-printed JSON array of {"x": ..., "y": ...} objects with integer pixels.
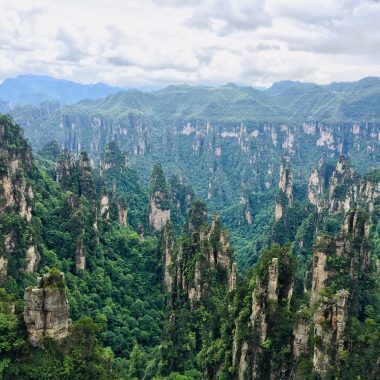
[{"x": 158, "y": 42}]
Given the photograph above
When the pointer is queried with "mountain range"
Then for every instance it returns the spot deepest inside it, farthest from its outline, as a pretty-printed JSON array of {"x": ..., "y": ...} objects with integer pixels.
[
  {"x": 287, "y": 100},
  {"x": 36, "y": 89}
]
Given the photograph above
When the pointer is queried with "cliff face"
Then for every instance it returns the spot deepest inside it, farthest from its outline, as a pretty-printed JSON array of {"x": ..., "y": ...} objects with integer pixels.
[
  {"x": 160, "y": 202},
  {"x": 217, "y": 146},
  {"x": 340, "y": 260},
  {"x": 16, "y": 198},
  {"x": 158, "y": 216},
  {"x": 46, "y": 311},
  {"x": 253, "y": 336},
  {"x": 343, "y": 187},
  {"x": 285, "y": 196},
  {"x": 315, "y": 189},
  {"x": 340, "y": 263},
  {"x": 198, "y": 276},
  {"x": 209, "y": 250},
  {"x": 329, "y": 328}
]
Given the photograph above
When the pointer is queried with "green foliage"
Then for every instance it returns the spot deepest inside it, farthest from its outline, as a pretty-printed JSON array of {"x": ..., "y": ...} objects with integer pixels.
[
  {"x": 159, "y": 188},
  {"x": 118, "y": 302},
  {"x": 54, "y": 278},
  {"x": 78, "y": 356},
  {"x": 50, "y": 151}
]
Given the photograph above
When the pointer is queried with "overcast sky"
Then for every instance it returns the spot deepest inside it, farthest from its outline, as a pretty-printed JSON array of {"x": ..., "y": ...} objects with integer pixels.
[{"x": 159, "y": 42}]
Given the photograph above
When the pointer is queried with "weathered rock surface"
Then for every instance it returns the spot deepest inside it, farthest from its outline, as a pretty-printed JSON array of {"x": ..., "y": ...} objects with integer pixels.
[
  {"x": 285, "y": 196},
  {"x": 329, "y": 327},
  {"x": 315, "y": 189},
  {"x": 122, "y": 214},
  {"x": 301, "y": 337},
  {"x": 16, "y": 194},
  {"x": 104, "y": 207},
  {"x": 249, "y": 355},
  {"x": 46, "y": 311},
  {"x": 158, "y": 216}
]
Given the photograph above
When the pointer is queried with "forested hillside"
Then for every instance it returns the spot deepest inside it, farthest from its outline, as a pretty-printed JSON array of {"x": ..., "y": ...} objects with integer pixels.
[
  {"x": 105, "y": 277},
  {"x": 228, "y": 142}
]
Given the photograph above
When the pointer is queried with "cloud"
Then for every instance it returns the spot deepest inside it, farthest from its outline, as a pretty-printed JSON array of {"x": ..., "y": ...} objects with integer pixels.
[
  {"x": 224, "y": 16},
  {"x": 159, "y": 42},
  {"x": 177, "y": 3}
]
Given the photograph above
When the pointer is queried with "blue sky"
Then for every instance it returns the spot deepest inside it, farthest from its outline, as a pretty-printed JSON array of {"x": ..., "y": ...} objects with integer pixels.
[{"x": 160, "y": 42}]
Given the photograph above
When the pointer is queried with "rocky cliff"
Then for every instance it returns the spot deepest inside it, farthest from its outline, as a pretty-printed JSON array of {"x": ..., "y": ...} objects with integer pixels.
[
  {"x": 255, "y": 327},
  {"x": 160, "y": 203},
  {"x": 46, "y": 311},
  {"x": 158, "y": 216},
  {"x": 198, "y": 276},
  {"x": 328, "y": 294},
  {"x": 16, "y": 198},
  {"x": 209, "y": 250},
  {"x": 285, "y": 195}
]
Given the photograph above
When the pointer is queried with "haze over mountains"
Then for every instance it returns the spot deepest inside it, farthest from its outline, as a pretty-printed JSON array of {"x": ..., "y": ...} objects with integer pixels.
[
  {"x": 35, "y": 89},
  {"x": 286, "y": 100},
  {"x": 220, "y": 139}
]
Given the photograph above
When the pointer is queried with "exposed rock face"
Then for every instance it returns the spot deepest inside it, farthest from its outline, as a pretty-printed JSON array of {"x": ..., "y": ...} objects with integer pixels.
[
  {"x": 349, "y": 246},
  {"x": 244, "y": 200},
  {"x": 320, "y": 273},
  {"x": 369, "y": 193},
  {"x": 80, "y": 258},
  {"x": 279, "y": 211},
  {"x": 233, "y": 277},
  {"x": 168, "y": 249},
  {"x": 315, "y": 189},
  {"x": 249, "y": 357},
  {"x": 244, "y": 362},
  {"x": 248, "y": 216},
  {"x": 273, "y": 280},
  {"x": 343, "y": 188},
  {"x": 64, "y": 166},
  {"x": 215, "y": 254},
  {"x": 3, "y": 267},
  {"x": 16, "y": 193},
  {"x": 329, "y": 326},
  {"x": 341, "y": 258},
  {"x": 158, "y": 216},
  {"x": 198, "y": 275},
  {"x": 32, "y": 259},
  {"x": 286, "y": 183},
  {"x": 301, "y": 337},
  {"x": 122, "y": 214},
  {"x": 104, "y": 207},
  {"x": 46, "y": 311},
  {"x": 285, "y": 196}
]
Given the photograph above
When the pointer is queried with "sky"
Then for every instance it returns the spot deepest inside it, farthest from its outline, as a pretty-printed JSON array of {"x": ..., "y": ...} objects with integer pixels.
[{"x": 153, "y": 43}]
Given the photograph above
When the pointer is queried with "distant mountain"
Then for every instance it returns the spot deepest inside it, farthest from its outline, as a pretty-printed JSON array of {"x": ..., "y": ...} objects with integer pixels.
[
  {"x": 228, "y": 142},
  {"x": 35, "y": 89},
  {"x": 3, "y": 106},
  {"x": 285, "y": 101}
]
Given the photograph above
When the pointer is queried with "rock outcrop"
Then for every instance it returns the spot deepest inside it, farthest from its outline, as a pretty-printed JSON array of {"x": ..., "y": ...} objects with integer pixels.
[
  {"x": 329, "y": 328},
  {"x": 285, "y": 195},
  {"x": 315, "y": 189},
  {"x": 46, "y": 311},
  {"x": 122, "y": 213},
  {"x": 214, "y": 254},
  {"x": 104, "y": 207},
  {"x": 16, "y": 197},
  {"x": 343, "y": 187},
  {"x": 158, "y": 216},
  {"x": 167, "y": 246},
  {"x": 272, "y": 292},
  {"x": 301, "y": 335}
]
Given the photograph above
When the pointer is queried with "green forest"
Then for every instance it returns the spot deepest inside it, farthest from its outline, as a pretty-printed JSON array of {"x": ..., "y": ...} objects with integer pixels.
[{"x": 107, "y": 273}]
